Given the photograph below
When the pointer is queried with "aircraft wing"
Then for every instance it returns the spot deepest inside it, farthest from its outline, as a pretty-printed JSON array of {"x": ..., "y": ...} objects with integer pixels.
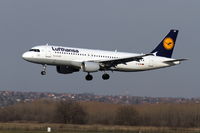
[{"x": 115, "y": 62}]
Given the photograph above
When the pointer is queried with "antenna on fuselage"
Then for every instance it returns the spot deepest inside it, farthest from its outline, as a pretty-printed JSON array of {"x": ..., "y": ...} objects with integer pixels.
[{"x": 47, "y": 44}]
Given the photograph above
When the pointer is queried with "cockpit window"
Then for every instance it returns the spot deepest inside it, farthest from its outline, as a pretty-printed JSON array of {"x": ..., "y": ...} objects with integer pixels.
[{"x": 35, "y": 50}]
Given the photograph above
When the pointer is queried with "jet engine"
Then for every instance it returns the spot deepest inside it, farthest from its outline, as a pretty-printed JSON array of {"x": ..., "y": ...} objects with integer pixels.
[
  {"x": 90, "y": 66},
  {"x": 66, "y": 69}
]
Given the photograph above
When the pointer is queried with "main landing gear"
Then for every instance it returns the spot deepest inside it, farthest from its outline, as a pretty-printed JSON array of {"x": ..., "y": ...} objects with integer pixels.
[
  {"x": 105, "y": 76},
  {"x": 89, "y": 77},
  {"x": 43, "y": 72}
]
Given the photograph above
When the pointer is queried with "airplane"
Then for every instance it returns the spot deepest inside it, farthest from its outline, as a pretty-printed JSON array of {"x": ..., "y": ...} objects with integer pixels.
[{"x": 69, "y": 60}]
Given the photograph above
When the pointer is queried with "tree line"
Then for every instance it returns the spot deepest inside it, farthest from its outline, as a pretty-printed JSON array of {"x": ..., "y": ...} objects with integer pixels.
[{"x": 72, "y": 112}]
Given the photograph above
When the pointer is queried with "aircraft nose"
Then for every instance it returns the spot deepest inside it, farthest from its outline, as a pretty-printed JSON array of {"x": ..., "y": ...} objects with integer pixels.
[{"x": 26, "y": 56}]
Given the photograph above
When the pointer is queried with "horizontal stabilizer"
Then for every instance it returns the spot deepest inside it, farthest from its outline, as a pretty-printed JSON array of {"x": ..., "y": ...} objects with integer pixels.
[{"x": 175, "y": 60}]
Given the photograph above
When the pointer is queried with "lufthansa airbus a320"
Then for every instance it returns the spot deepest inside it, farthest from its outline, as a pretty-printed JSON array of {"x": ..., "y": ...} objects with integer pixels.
[{"x": 69, "y": 60}]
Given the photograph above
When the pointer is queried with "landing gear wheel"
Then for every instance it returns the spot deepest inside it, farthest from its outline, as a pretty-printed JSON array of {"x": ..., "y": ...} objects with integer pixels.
[
  {"x": 105, "y": 76},
  {"x": 43, "y": 73},
  {"x": 88, "y": 77}
]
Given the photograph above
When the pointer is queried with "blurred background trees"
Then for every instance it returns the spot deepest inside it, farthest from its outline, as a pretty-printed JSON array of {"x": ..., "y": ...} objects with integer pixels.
[
  {"x": 127, "y": 115},
  {"x": 72, "y": 112}
]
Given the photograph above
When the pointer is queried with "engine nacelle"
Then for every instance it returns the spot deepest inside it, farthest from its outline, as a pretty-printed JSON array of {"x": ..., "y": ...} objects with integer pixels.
[
  {"x": 90, "y": 66},
  {"x": 66, "y": 69}
]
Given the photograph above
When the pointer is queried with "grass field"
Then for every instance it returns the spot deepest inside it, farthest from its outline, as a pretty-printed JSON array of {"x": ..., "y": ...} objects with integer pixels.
[{"x": 63, "y": 128}]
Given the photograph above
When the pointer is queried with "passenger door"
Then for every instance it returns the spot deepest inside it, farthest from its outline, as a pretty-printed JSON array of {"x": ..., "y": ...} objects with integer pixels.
[{"x": 48, "y": 52}]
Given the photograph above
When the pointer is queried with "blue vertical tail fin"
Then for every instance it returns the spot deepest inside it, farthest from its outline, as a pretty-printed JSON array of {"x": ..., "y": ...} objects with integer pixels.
[{"x": 166, "y": 46}]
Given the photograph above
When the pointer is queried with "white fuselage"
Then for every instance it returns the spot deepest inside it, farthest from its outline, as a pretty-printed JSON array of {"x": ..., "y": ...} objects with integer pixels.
[{"x": 68, "y": 56}]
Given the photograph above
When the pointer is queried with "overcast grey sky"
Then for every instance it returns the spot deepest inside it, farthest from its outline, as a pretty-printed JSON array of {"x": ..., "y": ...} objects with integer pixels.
[{"x": 125, "y": 25}]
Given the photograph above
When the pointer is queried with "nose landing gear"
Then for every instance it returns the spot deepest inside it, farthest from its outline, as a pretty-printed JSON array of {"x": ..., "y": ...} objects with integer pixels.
[{"x": 43, "y": 72}]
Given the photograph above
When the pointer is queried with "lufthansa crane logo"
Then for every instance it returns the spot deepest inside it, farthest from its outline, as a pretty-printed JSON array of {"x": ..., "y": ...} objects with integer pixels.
[{"x": 168, "y": 43}]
